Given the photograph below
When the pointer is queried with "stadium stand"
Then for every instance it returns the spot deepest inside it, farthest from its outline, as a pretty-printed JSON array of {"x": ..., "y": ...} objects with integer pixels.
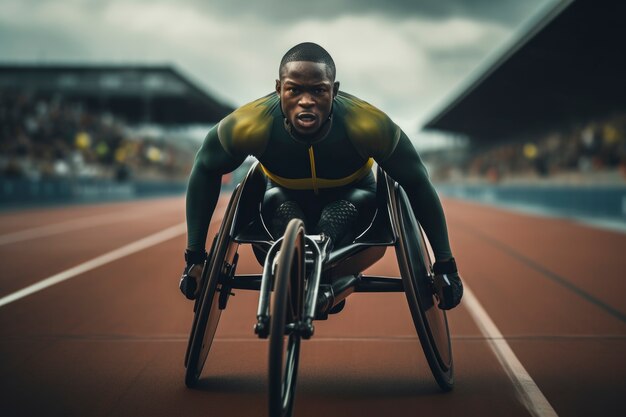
[
  {"x": 63, "y": 126},
  {"x": 545, "y": 119},
  {"x": 551, "y": 106}
]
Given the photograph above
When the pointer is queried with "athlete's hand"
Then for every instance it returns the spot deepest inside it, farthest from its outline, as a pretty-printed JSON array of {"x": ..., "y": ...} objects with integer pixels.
[
  {"x": 448, "y": 285},
  {"x": 190, "y": 280}
]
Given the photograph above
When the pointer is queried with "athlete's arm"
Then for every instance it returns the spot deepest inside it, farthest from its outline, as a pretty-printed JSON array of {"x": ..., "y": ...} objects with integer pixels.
[
  {"x": 203, "y": 189},
  {"x": 406, "y": 167}
]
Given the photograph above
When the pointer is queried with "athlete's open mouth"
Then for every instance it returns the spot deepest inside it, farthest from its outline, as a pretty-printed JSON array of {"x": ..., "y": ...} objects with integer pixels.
[{"x": 306, "y": 120}]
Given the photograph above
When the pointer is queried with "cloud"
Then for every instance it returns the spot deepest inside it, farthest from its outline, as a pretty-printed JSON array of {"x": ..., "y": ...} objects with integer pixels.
[
  {"x": 400, "y": 57},
  {"x": 504, "y": 12},
  {"x": 398, "y": 65}
]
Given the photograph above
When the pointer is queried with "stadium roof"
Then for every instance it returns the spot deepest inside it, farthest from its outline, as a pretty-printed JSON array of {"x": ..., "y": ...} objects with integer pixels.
[
  {"x": 138, "y": 94},
  {"x": 567, "y": 67}
]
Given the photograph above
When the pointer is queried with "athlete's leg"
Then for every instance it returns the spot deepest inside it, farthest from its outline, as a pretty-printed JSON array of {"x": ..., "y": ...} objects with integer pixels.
[
  {"x": 340, "y": 214},
  {"x": 345, "y": 214},
  {"x": 279, "y": 207},
  {"x": 347, "y": 211}
]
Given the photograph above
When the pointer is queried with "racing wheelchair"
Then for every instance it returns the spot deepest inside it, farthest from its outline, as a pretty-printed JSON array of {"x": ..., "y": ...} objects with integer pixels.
[{"x": 296, "y": 271}]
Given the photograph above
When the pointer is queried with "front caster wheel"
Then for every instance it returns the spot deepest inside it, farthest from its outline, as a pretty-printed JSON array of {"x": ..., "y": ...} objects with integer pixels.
[{"x": 286, "y": 314}]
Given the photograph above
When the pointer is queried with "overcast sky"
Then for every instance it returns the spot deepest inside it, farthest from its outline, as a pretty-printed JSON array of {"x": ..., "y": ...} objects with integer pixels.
[{"x": 403, "y": 56}]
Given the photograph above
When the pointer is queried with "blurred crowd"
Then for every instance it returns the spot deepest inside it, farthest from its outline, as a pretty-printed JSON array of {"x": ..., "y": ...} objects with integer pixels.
[
  {"x": 594, "y": 152},
  {"x": 52, "y": 137}
]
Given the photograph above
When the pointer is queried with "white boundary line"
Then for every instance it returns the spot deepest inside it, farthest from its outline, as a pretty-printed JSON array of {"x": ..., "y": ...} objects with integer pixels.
[
  {"x": 141, "y": 244},
  {"x": 527, "y": 391}
]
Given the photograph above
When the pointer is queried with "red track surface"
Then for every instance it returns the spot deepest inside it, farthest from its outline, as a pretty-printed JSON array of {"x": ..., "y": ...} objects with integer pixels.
[{"x": 111, "y": 341}]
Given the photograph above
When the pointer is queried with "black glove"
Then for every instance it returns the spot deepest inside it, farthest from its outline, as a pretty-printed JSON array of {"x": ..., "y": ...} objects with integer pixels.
[
  {"x": 448, "y": 285},
  {"x": 188, "y": 283}
]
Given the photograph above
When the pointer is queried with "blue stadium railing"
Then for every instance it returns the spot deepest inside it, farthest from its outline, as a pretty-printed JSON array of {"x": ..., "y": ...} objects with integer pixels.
[{"x": 608, "y": 201}]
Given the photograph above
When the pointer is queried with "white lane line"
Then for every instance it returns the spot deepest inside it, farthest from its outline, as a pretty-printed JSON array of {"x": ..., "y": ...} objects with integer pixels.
[
  {"x": 527, "y": 391},
  {"x": 68, "y": 226},
  {"x": 141, "y": 244}
]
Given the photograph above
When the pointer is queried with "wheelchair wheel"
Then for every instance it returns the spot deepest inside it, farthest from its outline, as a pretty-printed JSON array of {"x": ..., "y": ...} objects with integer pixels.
[
  {"x": 429, "y": 320},
  {"x": 220, "y": 263},
  {"x": 287, "y": 307}
]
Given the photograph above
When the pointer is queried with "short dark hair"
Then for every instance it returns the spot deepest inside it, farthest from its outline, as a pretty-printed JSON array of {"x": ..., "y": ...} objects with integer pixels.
[{"x": 311, "y": 52}]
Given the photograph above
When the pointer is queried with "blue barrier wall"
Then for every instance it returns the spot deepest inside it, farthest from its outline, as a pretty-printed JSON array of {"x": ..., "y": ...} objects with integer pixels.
[
  {"x": 16, "y": 192},
  {"x": 596, "y": 201}
]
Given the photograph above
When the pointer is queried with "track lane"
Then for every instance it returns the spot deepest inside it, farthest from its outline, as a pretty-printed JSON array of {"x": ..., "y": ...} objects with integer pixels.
[
  {"x": 101, "y": 345},
  {"x": 584, "y": 257},
  {"x": 125, "y": 359},
  {"x": 55, "y": 253},
  {"x": 563, "y": 338},
  {"x": 29, "y": 261},
  {"x": 18, "y": 220}
]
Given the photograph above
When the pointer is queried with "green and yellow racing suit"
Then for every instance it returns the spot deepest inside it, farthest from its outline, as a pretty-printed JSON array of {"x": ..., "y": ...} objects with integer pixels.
[{"x": 359, "y": 135}]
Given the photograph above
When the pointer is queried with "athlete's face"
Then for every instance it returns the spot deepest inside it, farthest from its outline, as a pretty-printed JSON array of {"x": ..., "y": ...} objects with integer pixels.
[{"x": 306, "y": 95}]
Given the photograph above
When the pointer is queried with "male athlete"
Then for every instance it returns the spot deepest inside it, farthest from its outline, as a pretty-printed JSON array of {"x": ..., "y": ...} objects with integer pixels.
[{"x": 316, "y": 146}]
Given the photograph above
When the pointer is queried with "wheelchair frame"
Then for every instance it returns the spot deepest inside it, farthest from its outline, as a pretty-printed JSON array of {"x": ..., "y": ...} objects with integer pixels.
[{"x": 292, "y": 311}]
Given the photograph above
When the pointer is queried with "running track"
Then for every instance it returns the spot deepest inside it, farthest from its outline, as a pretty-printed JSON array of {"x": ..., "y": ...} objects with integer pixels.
[{"x": 110, "y": 340}]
